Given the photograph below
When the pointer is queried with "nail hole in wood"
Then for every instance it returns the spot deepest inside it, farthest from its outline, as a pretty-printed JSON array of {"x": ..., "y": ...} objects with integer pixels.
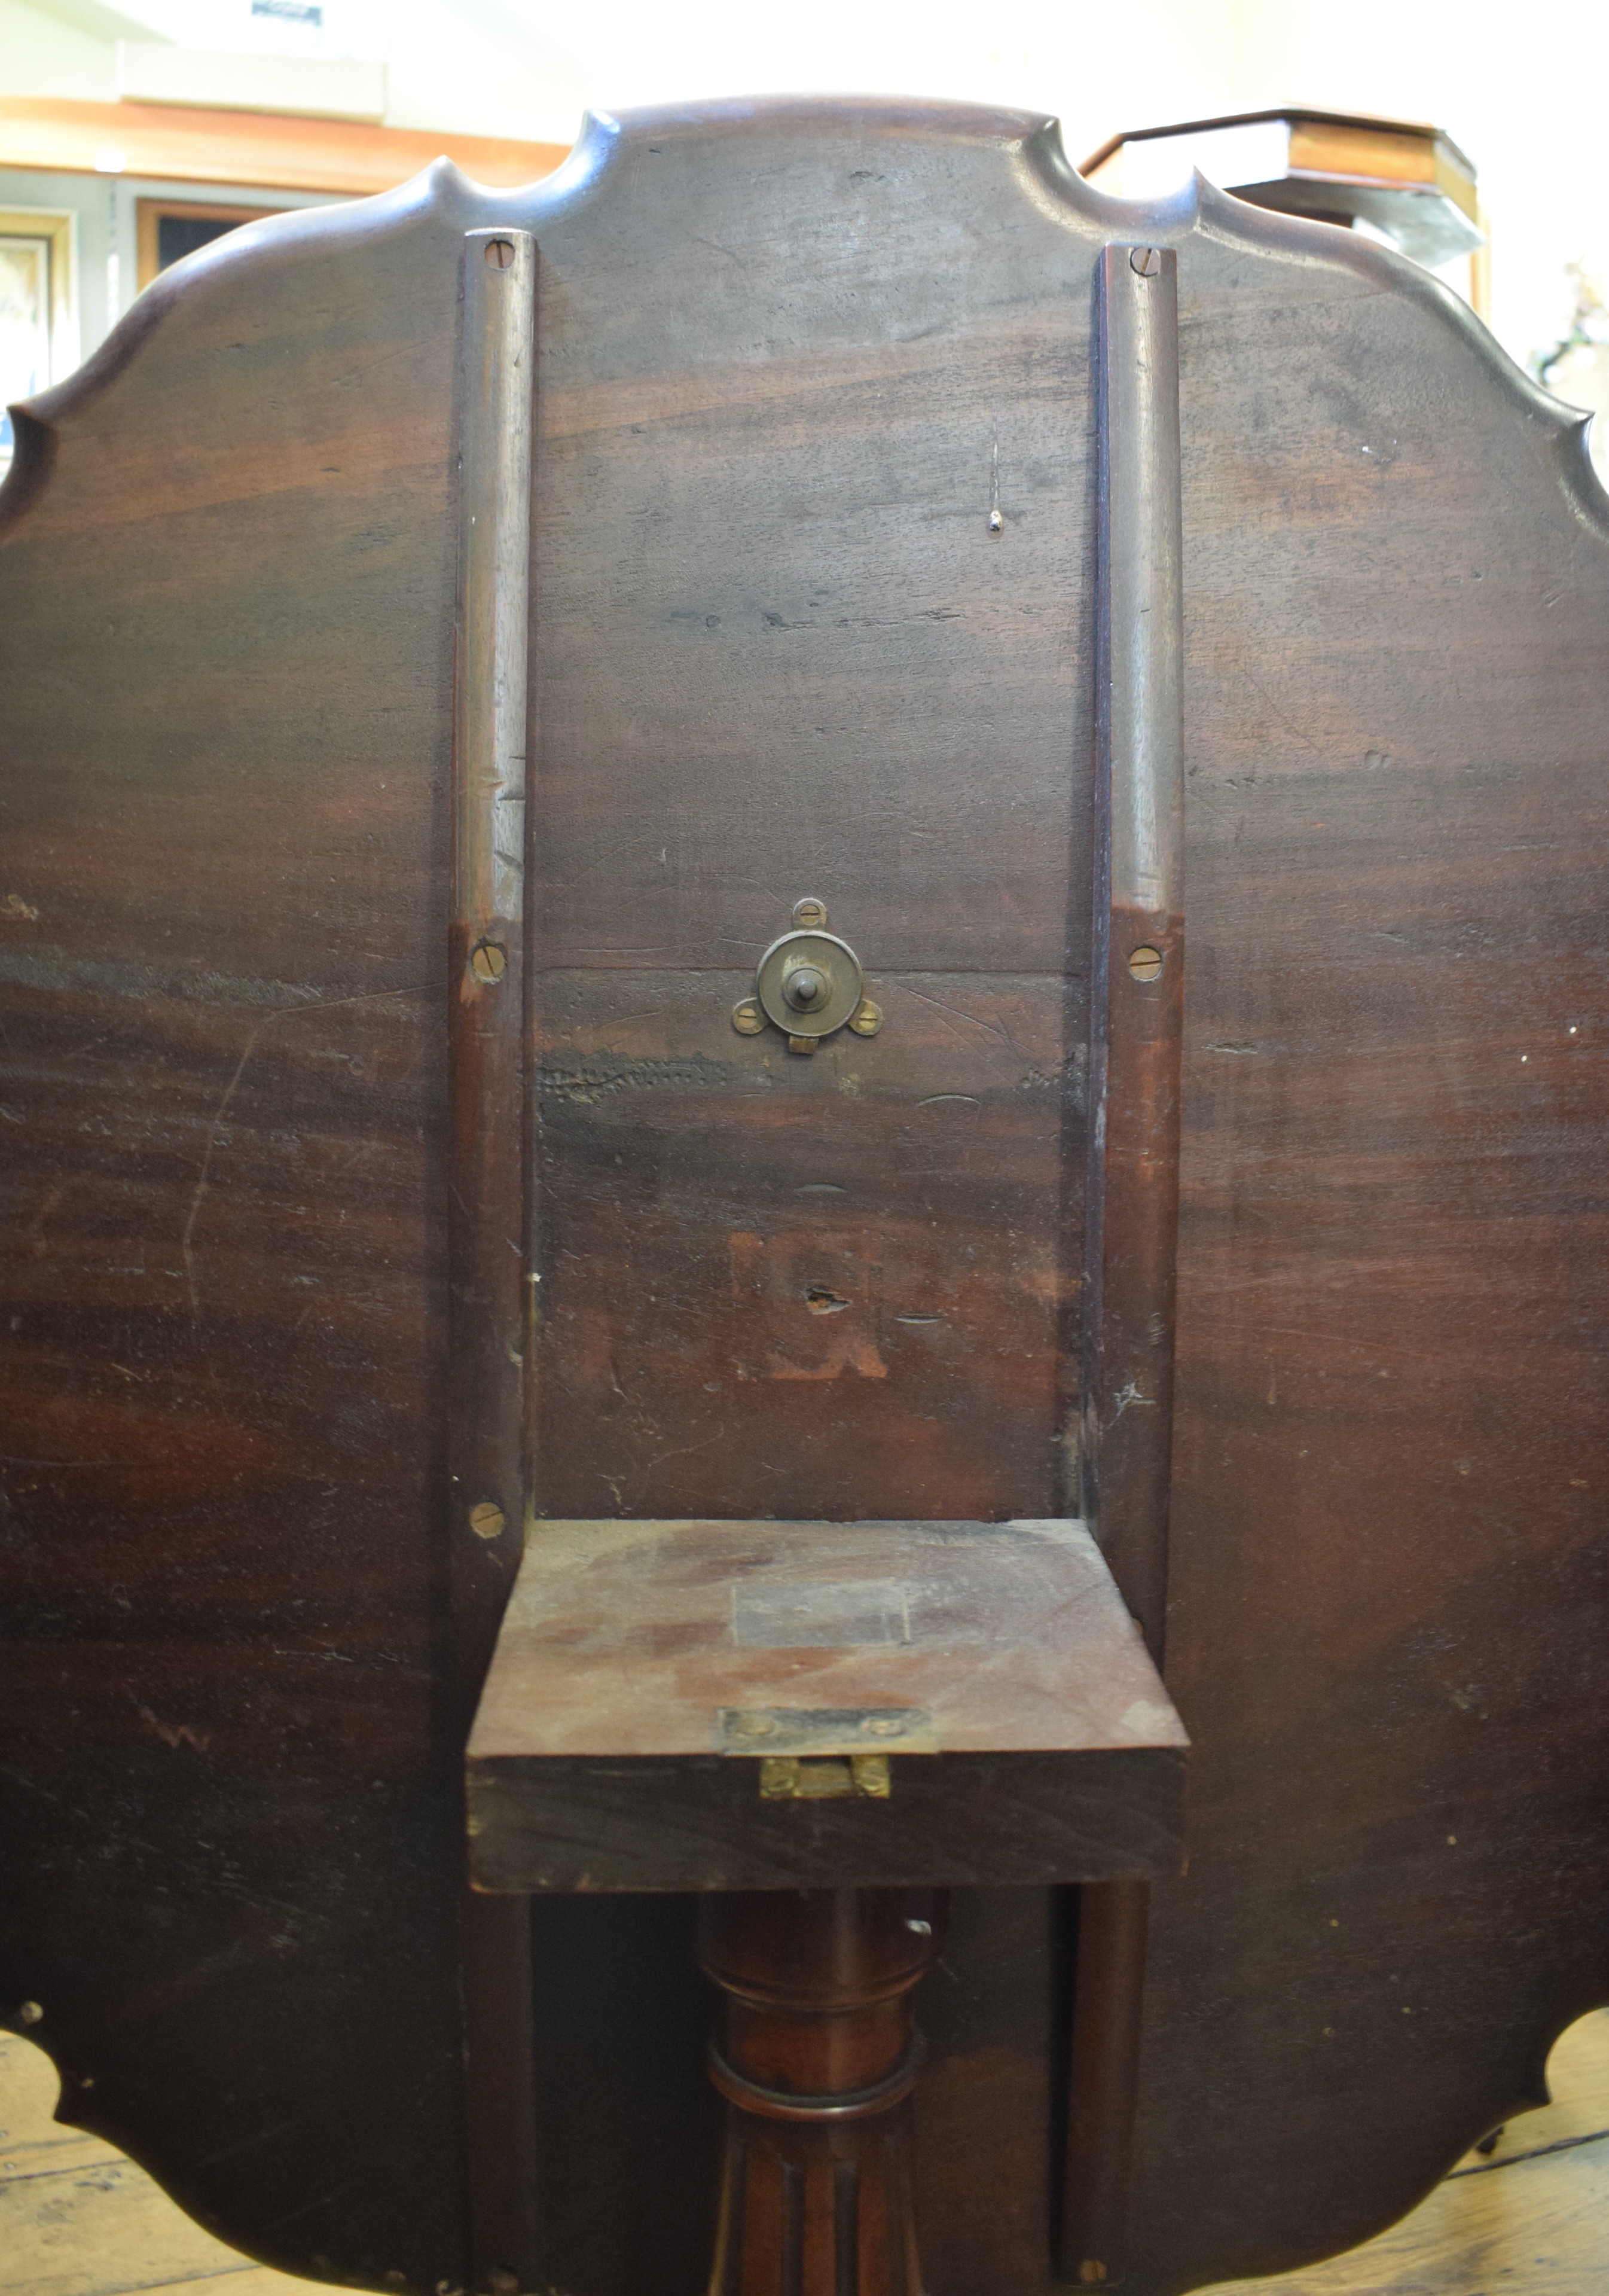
[{"x": 820, "y": 1301}]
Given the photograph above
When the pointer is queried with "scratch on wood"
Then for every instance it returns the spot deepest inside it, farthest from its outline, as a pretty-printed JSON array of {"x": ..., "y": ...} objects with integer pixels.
[
  {"x": 988, "y": 1027},
  {"x": 203, "y": 1182},
  {"x": 62, "y": 969},
  {"x": 172, "y": 1733},
  {"x": 599, "y": 1075},
  {"x": 335, "y": 1004}
]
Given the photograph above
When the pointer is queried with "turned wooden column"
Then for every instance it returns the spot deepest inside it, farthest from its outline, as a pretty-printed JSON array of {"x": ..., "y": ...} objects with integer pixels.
[{"x": 816, "y": 2052}]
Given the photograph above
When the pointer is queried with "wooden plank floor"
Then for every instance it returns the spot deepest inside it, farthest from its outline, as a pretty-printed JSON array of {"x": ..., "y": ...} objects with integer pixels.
[
  {"x": 1532, "y": 2219},
  {"x": 78, "y": 2219}
]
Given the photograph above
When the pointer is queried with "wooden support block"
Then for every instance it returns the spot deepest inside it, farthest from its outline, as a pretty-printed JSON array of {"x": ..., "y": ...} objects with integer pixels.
[{"x": 756, "y": 1704}]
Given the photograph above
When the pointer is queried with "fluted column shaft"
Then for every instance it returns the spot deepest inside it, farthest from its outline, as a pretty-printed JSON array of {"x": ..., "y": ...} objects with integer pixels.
[{"x": 816, "y": 2052}]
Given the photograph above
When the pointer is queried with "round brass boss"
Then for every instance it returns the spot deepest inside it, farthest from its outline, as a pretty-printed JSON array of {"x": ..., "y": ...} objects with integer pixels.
[{"x": 809, "y": 983}]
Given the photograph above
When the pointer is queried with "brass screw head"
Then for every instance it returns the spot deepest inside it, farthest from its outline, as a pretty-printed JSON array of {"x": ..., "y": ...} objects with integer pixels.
[
  {"x": 1144, "y": 963},
  {"x": 746, "y": 1018},
  {"x": 500, "y": 253},
  {"x": 810, "y": 913},
  {"x": 1145, "y": 260},
  {"x": 490, "y": 962},
  {"x": 486, "y": 1519},
  {"x": 867, "y": 1017}
]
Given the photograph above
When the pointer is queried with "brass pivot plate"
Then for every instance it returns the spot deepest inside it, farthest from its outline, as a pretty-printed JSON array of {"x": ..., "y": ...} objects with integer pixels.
[{"x": 810, "y": 984}]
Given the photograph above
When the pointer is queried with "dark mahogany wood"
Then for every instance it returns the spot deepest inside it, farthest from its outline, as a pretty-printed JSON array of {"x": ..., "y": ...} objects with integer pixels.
[
  {"x": 817, "y": 2053},
  {"x": 230, "y": 1833},
  {"x": 1138, "y": 944},
  {"x": 989, "y": 1671},
  {"x": 490, "y": 1288},
  {"x": 790, "y": 359},
  {"x": 1131, "y": 1207}
]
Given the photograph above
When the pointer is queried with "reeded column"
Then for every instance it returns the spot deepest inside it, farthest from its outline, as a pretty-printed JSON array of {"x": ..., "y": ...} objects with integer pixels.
[{"x": 817, "y": 2053}]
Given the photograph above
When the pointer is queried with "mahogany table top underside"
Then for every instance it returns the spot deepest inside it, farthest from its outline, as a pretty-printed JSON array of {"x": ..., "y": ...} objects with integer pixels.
[{"x": 789, "y": 360}]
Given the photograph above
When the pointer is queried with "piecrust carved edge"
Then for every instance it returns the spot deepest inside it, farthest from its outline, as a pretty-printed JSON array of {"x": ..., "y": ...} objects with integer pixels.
[{"x": 1029, "y": 143}]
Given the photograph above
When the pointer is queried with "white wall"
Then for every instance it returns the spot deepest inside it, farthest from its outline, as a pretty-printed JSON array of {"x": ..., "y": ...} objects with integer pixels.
[
  {"x": 474, "y": 67},
  {"x": 41, "y": 55}
]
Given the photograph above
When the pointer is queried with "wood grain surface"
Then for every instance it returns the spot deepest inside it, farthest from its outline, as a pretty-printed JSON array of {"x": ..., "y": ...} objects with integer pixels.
[
  {"x": 641, "y": 1638},
  {"x": 816, "y": 2052},
  {"x": 645, "y": 1669},
  {"x": 489, "y": 1291},
  {"x": 791, "y": 358}
]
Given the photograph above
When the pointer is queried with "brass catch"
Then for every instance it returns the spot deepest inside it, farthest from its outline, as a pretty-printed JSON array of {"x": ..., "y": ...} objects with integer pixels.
[
  {"x": 802, "y": 1777},
  {"x": 810, "y": 984}
]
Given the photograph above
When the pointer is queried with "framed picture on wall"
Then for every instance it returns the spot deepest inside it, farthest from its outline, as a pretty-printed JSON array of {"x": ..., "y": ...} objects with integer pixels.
[
  {"x": 166, "y": 230},
  {"x": 39, "y": 339}
]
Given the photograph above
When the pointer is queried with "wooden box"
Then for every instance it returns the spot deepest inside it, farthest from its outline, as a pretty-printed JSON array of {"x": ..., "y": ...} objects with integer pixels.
[{"x": 754, "y": 1705}]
